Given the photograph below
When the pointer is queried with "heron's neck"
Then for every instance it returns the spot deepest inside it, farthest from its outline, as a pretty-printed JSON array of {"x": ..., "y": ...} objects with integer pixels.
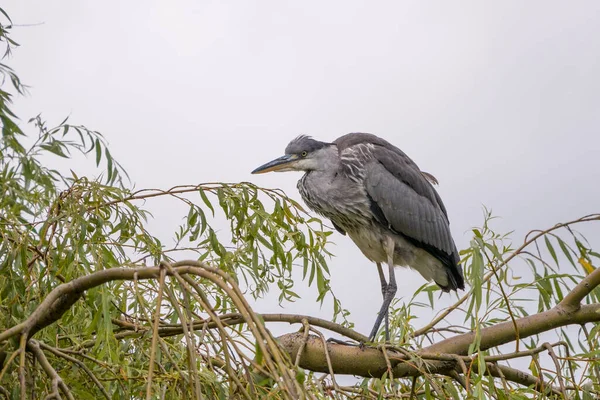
[{"x": 328, "y": 161}]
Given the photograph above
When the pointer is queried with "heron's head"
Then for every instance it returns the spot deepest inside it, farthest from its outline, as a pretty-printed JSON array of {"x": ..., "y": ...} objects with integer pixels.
[{"x": 302, "y": 154}]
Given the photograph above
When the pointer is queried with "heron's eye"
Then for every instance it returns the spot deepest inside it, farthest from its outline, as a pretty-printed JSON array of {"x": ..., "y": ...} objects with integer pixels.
[{"x": 304, "y": 154}]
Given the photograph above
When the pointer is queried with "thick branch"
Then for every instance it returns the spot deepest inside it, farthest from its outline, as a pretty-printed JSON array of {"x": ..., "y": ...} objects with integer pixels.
[
  {"x": 55, "y": 311},
  {"x": 369, "y": 362},
  {"x": 575, "y": 296},
  {"x": 503, "y": 333},
  {"x": 350, "y": 360}
]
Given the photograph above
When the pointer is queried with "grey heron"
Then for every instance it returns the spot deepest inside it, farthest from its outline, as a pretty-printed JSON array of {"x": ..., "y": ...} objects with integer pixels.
[{"x": 373, "y": 192}]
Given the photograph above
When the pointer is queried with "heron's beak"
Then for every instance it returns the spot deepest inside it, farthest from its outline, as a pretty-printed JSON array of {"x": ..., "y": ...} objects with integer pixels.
[{"x": 282, "y": 163}]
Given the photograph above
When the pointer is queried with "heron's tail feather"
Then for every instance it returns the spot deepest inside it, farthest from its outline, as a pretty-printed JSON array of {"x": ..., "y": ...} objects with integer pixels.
[{"x": 456, "y": 279}]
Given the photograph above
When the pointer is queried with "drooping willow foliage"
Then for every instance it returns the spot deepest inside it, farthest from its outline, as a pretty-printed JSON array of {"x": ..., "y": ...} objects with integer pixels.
[{"x": 94, "y": 305}]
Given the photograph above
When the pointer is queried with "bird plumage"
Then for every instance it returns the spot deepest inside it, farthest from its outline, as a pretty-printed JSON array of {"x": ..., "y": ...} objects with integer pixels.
[
  {"x": 374, "y": 186},
  {"x": 373, "y": 192}
]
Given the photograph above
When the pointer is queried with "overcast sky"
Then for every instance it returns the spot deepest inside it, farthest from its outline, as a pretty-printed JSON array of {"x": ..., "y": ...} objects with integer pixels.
[{"x": 499, "y": 100}]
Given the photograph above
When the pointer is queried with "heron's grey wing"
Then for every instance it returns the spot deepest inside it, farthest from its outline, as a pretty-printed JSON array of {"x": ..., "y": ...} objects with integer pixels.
[
  {"x": 397, "y": 163},
  {"x": 407, "y": 211},
  {"x": 403, "y": 198},
  {"x": 405, "y": 170}
]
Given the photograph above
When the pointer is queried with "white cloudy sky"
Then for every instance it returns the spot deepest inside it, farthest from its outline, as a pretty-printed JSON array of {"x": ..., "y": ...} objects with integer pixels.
[{"x": 499, "y": 100}]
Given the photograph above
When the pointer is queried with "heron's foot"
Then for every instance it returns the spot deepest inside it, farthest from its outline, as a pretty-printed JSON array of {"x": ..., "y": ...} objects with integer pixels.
[
  {"x": 361, "y": 345},
  {"x": 376, "y": 343},
  {"x": 344, "y": 342}
]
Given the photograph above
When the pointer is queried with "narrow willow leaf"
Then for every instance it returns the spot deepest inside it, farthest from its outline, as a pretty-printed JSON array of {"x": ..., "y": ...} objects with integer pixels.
[
  {"x": 566, "y": 250},
  {"x": 477, "y": 276},
  {"x": 206, "y": 201},
  {"x": 98, "y": 152},
  {"x": 551, "y": 249}
]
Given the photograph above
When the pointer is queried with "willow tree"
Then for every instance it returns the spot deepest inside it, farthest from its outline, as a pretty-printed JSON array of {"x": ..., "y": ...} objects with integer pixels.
[{"x": 93, "y": 305}]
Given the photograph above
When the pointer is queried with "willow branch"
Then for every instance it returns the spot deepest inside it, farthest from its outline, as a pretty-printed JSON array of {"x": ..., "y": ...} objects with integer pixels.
[
  {"x": 343, "y": 359},
  {"x": 79, "y": 363},
  {"x": 572, "y": 300},
  {"x": 520, "y": 377},
  {"x": 567, "y": 312},
  {"x": 236, "y": 319},
  {"x": 531, "y": 325},
  {"x": 154, "y": 345},
  {"x": 67, "y": 293},
  {"x": 369, "y": 362},
  {"x": 57, "y": 382}
]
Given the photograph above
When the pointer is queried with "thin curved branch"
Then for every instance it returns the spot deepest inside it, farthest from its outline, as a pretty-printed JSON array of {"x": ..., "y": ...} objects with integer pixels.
[
  {"x": 57, "y": 382},
  {"x": 520, "y": 377},
  {"x": 557, "y": 366},
  {"x": 236, "y": 319},
  {"x": 48, "y": 311},
  {"x": 154, "y": 345},
  {"x": 5, "y": 393},
  {"x": 79, "y": 363}
]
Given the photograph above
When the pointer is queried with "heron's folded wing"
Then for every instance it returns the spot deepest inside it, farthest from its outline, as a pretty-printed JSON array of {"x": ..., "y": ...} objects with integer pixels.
[
  {"x": 408, "y": 210},
  {"x": 396, "y": 162}
]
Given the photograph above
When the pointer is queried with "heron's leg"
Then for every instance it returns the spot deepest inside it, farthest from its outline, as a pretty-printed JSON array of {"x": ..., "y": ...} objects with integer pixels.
[
  {"x": 388, "y": 290},
  {"x": 384, "y": 286},
  {"x": 392, "y": 288}
]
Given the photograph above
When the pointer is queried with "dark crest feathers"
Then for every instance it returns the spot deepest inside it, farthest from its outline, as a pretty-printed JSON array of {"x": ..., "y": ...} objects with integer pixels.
[{"x": 304, "y": 143}]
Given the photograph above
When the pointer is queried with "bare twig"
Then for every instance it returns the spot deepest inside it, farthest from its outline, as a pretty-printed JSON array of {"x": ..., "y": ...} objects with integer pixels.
[
  {"x": 388, "y": 364},
  {"x": 57, "y": 381},
  {"x": 161, "y": 283},
  {"x": 505, "y": 297},
  {"x": 81, "y": 365},
  {"x": 237, "y": 318},
  {"x": 561, "y": 382},
  {"x": 22, "y": 383},
  {"x": 327, "y": 357},
  {"x": 304, "y": 339},
  {"x": 7, "y": 362}
]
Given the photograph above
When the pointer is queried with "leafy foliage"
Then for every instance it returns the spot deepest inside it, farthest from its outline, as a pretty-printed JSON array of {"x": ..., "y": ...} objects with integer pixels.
[{"x": 55, "y": 228}]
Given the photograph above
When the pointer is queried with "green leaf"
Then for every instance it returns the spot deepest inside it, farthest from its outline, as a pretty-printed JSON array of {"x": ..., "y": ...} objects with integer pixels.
[
  {"x": 98, "y": 152},
  {"x": 566, "y": 250},
  {"x": 206, "y": 201},
  {"x": 5, "y": 14},
  {"x": 55, "y": 148},
  {"x": 551, "y": 249}
]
